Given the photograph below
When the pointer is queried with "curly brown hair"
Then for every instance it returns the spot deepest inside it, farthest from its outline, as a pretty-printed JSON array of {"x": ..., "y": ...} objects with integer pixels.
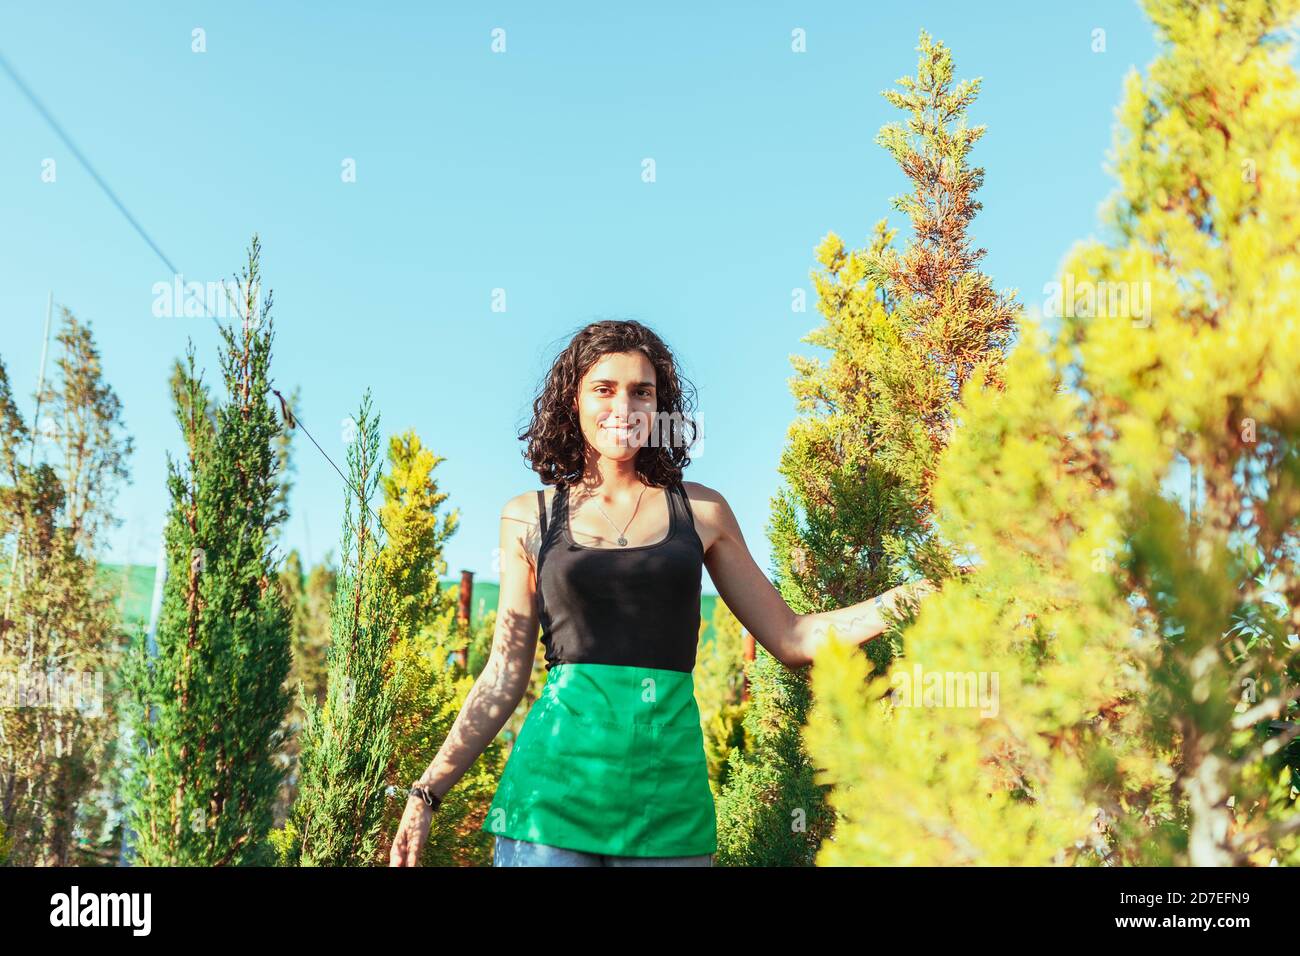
[{"x": 556, "y": 447}]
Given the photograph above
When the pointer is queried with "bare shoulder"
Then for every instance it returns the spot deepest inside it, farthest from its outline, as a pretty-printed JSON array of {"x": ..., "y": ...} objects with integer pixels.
[
  {"x": 702, "y": 494},
  {"x": 521, "y": 507},
  {"x": 713, "y": 516},
  {"x": 521, "y": 516}
]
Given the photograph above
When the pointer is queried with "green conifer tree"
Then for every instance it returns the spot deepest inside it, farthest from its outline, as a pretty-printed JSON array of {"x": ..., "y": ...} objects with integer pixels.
[
  {"x": 348, "y": 744},
  {"x": 207, "y": 709}
]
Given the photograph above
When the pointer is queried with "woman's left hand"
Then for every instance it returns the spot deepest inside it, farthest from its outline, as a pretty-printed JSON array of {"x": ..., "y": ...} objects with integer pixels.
[{"x": 923, "y": 587}]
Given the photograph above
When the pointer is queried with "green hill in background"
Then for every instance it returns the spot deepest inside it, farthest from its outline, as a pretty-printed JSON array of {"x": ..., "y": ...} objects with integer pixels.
[{"x": 133, "y": 584}]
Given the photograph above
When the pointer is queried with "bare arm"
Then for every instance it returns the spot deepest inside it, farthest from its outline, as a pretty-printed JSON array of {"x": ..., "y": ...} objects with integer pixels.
[
  {"x": 741, "y": 584},
  {"x": 504, "y": 679},
  {"x": 791, "y": 638},
  {"x": 855, "y": 624}
]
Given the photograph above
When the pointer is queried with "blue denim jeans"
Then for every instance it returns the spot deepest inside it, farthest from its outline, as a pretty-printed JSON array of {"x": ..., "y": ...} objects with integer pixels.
[{"x": 508, "y": 852}]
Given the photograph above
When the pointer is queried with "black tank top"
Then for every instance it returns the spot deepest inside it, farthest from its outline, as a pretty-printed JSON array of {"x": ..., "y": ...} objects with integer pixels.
[{"x": 635, "y": 606}]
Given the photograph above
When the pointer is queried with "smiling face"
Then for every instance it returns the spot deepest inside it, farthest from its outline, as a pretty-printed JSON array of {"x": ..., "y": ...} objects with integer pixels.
[{"x": 616, "y": 404}]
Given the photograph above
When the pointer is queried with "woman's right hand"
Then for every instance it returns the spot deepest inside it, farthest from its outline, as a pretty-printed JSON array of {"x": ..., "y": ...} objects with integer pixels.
[{"x": 412, "y": 833}]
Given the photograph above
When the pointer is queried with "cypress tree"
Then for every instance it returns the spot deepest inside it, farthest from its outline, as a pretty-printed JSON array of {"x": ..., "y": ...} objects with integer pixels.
[
  {"x": 904, "y": 330},
  {"x": 348, "y": 743},
  {"x": 949, "y": 323},
  {"x": 435, "y": 687},
  {"x": 412, "y": 558},
  {"x": 207, "y": 709}
]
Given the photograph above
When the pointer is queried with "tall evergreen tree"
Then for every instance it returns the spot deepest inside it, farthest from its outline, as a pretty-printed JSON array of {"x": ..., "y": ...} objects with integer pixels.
[
  {"x": 949, "y": 322},
  {"x": 904, "y": 330},
  {"x": 207, "y": 710},
  {"x": 1145, "y": 705},
  {"x": 348, "y": 744}
]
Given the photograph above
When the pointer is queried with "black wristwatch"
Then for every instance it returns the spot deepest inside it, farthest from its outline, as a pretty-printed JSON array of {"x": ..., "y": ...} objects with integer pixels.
[{"x": 431, "y": 800}]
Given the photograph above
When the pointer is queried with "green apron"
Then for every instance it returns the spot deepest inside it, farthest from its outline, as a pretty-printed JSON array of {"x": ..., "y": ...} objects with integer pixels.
[{"x": 610, "y": 759}]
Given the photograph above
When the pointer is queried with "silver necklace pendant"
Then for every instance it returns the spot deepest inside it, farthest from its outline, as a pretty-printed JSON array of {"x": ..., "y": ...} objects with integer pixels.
[{"x": 622, "y": 541}]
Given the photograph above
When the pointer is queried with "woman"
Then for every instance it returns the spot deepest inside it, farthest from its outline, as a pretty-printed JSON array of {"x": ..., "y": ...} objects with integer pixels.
[{"x": 609, "y": 767}]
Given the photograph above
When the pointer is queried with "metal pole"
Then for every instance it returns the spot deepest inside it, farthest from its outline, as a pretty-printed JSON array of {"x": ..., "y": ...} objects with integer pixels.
[{"x": 466, "y": 592}]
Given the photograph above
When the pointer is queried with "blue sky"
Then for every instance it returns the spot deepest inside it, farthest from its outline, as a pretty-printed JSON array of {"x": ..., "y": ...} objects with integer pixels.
[{"x": 519, "y": 171}]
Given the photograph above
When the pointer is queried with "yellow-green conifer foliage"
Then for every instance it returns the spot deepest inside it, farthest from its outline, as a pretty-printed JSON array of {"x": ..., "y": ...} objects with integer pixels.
[
  {"x": 412, "y": 559},
  {"x": 1142, "y": 644},
  {"x": 719, "y": 684},
  {"x": 904, "y": 331},
  {"x": 950, "y": 321},
  {"x": 435, "y": 688}
]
